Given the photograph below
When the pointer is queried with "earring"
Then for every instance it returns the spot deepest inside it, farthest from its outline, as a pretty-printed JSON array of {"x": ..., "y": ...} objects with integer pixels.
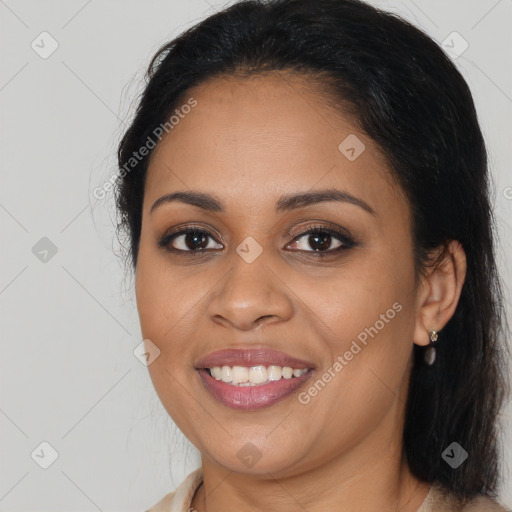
[{"x": 430, "y": 354}]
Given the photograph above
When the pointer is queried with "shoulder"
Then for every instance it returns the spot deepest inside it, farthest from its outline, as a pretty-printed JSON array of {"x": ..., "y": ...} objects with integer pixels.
[
  {"x": 484, "y": 504},
  {"x": 180, "y": 499},
  {"x": 440, "y": 499},
  {"x": 164, "y": 504}
]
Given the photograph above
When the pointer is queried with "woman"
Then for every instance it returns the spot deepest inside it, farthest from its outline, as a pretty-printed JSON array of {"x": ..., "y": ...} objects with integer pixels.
[{"x": 304, "y": 188}]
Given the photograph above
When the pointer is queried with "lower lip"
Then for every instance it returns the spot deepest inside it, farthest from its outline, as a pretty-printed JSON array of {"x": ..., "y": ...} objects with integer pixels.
[{"x": 251, "y": 397}]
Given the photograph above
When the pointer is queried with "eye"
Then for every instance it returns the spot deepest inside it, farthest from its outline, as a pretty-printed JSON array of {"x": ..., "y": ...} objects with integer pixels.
[
  {"x": 190, "y": 239},
  {"x": 320, "y": 238},
  {"x": 195, "y": 241}
]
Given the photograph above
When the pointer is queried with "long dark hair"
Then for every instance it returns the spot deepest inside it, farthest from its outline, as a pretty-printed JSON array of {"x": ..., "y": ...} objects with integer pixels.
[{"x": 406, "y": 94}]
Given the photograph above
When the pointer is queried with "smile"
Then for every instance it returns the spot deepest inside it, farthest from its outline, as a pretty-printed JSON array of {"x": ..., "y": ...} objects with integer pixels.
[
  {"x": 252, "y": 378},
  {"x": 255, "y": 375}
]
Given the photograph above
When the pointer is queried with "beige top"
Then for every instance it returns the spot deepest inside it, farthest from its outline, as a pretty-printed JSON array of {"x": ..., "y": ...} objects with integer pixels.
[{"x": 436, "y": 500}]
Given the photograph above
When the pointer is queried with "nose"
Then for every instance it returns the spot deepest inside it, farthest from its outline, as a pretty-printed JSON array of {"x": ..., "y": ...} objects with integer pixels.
[{"x": 251, "y": 295}]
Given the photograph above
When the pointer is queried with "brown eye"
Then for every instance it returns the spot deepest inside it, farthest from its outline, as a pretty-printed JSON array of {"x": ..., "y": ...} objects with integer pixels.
[
  {"x": 187, "y": 240},
  {"x": 321, "y": 238}
]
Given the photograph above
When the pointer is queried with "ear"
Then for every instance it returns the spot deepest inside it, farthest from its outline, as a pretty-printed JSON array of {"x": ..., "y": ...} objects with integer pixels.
[{"x": 439, "y": 292}]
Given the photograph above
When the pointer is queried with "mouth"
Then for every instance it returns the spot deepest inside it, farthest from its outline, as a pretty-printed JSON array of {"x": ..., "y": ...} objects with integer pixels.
[
  {"x": 254, "y": 375},
  {"x": 250, "y": 379}
]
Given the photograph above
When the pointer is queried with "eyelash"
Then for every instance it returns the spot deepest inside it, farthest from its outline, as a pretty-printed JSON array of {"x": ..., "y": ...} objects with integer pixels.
[{"x": 347, "y": 241}]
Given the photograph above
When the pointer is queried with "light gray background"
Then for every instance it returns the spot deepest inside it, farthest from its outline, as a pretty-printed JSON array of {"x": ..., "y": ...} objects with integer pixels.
[{"x": 69, "y": 325}]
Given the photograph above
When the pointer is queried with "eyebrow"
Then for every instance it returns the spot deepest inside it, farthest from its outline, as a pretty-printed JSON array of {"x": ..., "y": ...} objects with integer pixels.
[{"x": 285, "y": 203}]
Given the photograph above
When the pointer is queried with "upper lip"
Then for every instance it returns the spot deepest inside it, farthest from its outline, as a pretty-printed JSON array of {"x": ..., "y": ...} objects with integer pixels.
[{"x": 251, "y": 357}]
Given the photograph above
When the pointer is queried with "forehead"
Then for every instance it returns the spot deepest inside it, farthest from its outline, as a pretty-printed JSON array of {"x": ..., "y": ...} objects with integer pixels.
[{"x": 260, "y": 137}]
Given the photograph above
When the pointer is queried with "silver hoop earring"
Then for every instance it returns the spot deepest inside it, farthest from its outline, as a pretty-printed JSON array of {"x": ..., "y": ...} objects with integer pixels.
[{"x": 430, "y": 354}]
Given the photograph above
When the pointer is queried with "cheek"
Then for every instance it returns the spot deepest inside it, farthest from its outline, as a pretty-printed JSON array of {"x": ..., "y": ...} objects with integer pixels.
[
  {"x": 366, "y": 319},
  {"x": 359, "y": 295},
  {"x": 165, "y": 311},
  {"x": 164, "y": 297},
  {"x": 162, "y": 305}
]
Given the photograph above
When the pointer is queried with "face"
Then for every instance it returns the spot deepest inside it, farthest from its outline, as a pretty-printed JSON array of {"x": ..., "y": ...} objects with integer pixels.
[{"x": 251, "y": 287}]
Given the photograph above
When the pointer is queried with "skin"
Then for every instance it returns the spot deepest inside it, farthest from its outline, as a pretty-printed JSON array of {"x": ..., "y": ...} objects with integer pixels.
[{"x": 248, "y": 142}]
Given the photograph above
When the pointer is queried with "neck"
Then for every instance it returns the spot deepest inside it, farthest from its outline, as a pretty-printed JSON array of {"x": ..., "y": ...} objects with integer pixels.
[{"x": 373, "y": 479}]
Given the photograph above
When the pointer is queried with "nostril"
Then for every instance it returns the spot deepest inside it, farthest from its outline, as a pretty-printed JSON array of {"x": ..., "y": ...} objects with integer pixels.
[{"x": 262, "y": 319}]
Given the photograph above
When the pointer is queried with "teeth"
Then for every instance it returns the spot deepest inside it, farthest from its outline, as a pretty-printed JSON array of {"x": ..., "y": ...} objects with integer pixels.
[
  {"x": 254, "y": 375},
  {"x": 216, "y": 372},
  {"x": 274, "y": 372},
  {"x": 258, "y": 375},
  {"x": 226, "y": 374},
  {"x": 287, "y": 372},
  {"x": 240, "y": 374}
]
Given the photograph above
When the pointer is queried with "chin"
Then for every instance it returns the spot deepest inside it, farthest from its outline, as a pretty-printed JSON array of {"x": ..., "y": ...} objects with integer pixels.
[{"x": 256, "y": 458}]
